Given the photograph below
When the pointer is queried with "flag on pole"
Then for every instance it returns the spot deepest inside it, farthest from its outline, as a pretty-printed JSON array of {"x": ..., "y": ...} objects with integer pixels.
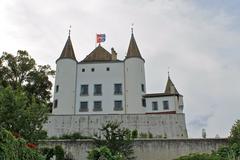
[{"x": 100, "y": 38}]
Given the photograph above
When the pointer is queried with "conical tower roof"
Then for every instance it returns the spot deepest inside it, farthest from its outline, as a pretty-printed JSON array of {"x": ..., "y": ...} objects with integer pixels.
[
  {"x": 170, "y": 87},
  {"x": 133, "y": 50},
  {"x": 68, "y": 51}
]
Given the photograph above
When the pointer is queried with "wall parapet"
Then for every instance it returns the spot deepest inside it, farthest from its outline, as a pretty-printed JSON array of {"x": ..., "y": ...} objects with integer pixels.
[
  {"x": 164, "y": 125},
  {"x": 154, "y": 149}
]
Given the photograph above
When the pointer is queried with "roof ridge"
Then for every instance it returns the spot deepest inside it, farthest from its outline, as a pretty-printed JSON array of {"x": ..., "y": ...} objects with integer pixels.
[{"x": 98, "y": 54}]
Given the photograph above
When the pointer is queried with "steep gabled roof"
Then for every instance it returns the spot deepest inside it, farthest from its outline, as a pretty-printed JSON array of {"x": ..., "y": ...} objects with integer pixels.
[
  {"x": 170, "y": 88},
  {"x": 133, "y": 50},
  {"x": 68, "y": 51},
  {"x": 98, "y": 54}
]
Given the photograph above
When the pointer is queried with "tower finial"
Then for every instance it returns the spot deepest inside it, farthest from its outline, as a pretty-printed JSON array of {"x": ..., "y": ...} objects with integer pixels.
[
  {"x": 168, "y": 72},
  {"x": 132, "y": 27},
  {"x": 69, "y": 30}
]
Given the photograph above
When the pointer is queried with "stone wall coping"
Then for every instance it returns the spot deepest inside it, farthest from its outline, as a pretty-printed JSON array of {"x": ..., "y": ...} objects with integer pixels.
[
  {"x": 140, "y": 139},
  {"x": 129, "y": 114}
]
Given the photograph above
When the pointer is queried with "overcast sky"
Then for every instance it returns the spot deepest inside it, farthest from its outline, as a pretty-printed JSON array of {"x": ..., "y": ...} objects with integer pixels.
[{"x": 198, "y": 39}]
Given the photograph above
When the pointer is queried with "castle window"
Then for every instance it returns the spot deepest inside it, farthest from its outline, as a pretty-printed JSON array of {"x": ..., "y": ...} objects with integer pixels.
[
  {"x": 83, "y": 107},
  {"x": 55, "y": 103},
  {"x": 143, "y": 88},
  {"x": 155, "y": 106},
  {"x": 93, "y": 69},
  {"x": 144, "y": 102},
  {"x": 97, "y": 89},
  {"x": 108, "y": 69},
  {"x": 181, "y": 107},
  {"x": 118, "y": 106},
  {"x": 165, "y": 105},
  {"x": 97, "y": 106},
  {"x": 83, "y": 70},
  {"x": 84, "y": 90},
  {"x": 57, "y": 88},
  {"x": 118, "y": 88}
]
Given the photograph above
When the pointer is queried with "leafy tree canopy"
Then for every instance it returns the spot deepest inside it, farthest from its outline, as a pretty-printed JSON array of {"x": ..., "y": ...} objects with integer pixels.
[
  {"x": 12, "y": 148},
  {"x": 21, "y": 71},
  {"x": 117, "y": 140},
  {"x": 235, "y": 133},
  {"x": 103, "y": 153},
  {"x": 20, "y": 116}
]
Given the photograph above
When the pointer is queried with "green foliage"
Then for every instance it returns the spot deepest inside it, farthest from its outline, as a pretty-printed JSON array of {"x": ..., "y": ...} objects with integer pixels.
[
  {"x": 59, "y": 152},
  {"x": 50, "y": 152},
  {"x": 159, "y": 136},
  {"x": 103, "y": 153},
  {"x": 72, "y": 136},
  {"x": 20, "y": 116},
  {"x": 198, "y": 156},
  {"x": 21, "y": 71},
  {"x": 135, "y": 133},
  {"x": 16, "y": 149},
  {"x": 117, "y": 139},
  {"x": 235, "y": 133},
  {"x": 143, "y": 135},
  {"x": 47, "y": 152},
  {"x": 230, "y": 152},
  {"x": 150, "y": 135}
]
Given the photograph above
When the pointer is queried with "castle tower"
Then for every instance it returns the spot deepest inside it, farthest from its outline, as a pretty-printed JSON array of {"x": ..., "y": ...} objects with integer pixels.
[
  {"x": 65, "y": 81},
  {"x": 135, "y": 86},
  {"x": 170, "y": 89}
]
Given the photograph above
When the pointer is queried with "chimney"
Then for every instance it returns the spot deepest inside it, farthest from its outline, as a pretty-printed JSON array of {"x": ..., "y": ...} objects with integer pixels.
[{"x": 114, "y": 54}]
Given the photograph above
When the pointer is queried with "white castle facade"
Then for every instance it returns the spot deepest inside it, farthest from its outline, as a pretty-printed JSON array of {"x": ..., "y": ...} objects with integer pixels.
[
  {"x": 101, "y": 88},
  {"x": 102, "y": 84}
]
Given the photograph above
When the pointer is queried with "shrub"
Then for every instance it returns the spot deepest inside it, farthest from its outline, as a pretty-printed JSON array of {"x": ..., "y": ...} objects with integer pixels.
[
  {"x": 59, "y": 153},
  {"x": 143, "y": 135},
  {"x": 135, "y": 133},
  {"x": 150, "y": 135}
]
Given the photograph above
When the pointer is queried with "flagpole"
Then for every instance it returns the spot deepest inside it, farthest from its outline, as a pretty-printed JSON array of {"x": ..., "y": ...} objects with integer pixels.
[{"x": 96, "y": 41}]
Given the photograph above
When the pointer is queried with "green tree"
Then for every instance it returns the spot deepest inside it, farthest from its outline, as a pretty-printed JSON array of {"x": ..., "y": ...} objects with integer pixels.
[
  {"x": 229, "y": 152},
  {"x": 20, "y": 116},
  {"x": 235, "y": 133},
  {"x": 12, "y": 148},
  {"x": 21, "y": 71},
  {"x": 117, "y": 139},
  {"x": 103, "y": 153}
]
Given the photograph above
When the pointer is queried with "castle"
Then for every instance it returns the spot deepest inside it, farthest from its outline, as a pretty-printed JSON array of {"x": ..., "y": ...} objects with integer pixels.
[{"x": 101, "y": 87}]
